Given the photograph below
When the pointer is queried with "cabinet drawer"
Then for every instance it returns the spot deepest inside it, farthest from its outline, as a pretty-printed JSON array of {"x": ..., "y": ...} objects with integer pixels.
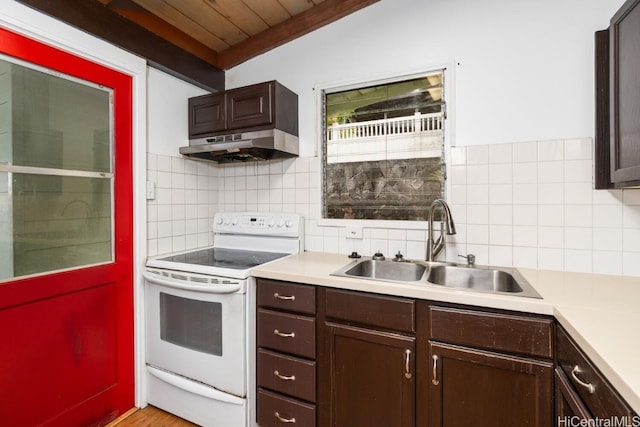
[
  {"x": 275, "y": 411},
  {"x": 598, "y": 395},
  {"x": 289, "y": 333},
  {"x": 287, "y": 296},
  {"x": 494, "y": 331},
  {"x": 286, "y": 374},
  {"x": 370, "y": 309}
]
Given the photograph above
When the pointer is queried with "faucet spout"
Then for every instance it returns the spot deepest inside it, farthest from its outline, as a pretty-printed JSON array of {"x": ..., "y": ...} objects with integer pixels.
[{"x": 434, "y": 247}]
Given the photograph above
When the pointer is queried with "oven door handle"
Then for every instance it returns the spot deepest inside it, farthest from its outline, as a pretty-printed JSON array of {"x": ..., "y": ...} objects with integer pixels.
[
  {"x": 217, "y": 289},
  {"x": 195, "y": 388}
]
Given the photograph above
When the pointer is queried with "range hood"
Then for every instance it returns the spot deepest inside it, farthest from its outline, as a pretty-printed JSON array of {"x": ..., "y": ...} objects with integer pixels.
[{"x": 240, "y": 147}]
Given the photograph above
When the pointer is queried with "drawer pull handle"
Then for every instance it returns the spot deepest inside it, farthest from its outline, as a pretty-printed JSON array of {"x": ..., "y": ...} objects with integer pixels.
[
  {"x": 407, "y": 364},
  {"x": 284, "y": 334},
  {"x": 284, "y": 420},
  {"x": 284, "y": 297},
  {"x": 574, "y": 373},
  {"x": 434, "y": 380},
  {"x": 284, "y": 377}
]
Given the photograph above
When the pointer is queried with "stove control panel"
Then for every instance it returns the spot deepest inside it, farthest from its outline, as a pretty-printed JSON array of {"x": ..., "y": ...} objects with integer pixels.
[{"x": 270, "y": 224}]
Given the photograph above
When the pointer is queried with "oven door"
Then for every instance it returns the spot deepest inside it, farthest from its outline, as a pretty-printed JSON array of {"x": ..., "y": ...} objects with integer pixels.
[{"x": 197, "y": 330}]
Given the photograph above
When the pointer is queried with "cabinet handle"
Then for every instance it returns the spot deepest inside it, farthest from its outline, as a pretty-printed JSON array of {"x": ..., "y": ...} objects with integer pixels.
[
  {"x": 284, "y": 377},
  {"x": 284, "y": 297},
  {"x": 407, "y": 364},
  {"x": 574, "y": 373},
  {"x": 284, "y": 334},
  {"x": 434, "y": 380},
  {"x": 284, "y": 420}
]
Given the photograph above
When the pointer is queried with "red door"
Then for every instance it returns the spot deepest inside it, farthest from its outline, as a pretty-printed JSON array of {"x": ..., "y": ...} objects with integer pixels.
[{"x": 66, "y": 334}]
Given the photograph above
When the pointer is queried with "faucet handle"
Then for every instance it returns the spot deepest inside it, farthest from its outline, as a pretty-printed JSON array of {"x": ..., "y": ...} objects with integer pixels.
[{"x": 471, "y": 259}]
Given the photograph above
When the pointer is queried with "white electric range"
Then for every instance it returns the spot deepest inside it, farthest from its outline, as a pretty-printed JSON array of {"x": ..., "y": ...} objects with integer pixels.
[{"x": 200, "y": 318}]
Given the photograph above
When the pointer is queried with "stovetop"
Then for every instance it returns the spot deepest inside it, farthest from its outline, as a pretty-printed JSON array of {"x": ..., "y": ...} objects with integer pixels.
[{"x": 224, "y": 258}]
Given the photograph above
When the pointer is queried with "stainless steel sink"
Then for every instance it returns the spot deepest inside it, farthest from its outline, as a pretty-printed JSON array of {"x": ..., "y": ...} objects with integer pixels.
[
  {"x": 388, "y": 270},
  {"x": 476, "y": 279}
]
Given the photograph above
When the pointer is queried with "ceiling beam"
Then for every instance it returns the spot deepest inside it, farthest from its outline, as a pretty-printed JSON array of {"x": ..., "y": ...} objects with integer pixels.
[
  {"x": 102, "y": 22},
  {"x": 324, "y": 13}
]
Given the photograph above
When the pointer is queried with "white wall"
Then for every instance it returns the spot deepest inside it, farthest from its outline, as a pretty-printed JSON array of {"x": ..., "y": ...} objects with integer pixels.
[{"x": 525, "y": 68}]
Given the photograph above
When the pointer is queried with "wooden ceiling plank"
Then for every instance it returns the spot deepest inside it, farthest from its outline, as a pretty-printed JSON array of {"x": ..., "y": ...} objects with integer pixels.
[
  {"x": 202, "y": 14},
  {"x": 326, "y": 12},
  {"x": 296, "y": 7},
  {"x": 240, "y": 15},
  {"x": 168, "y": 32},
  {"x": 104, "y": 23},
  {"x": 271, "y": 11},
  {"x": 175, "y": 17}
]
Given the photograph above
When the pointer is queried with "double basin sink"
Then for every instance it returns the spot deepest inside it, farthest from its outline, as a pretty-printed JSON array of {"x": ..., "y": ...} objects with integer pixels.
[{"x": 497, "y": 280}]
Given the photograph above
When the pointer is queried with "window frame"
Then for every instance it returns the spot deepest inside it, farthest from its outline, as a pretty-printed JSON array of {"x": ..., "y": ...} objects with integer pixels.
[{"x": 356, "y": 225}]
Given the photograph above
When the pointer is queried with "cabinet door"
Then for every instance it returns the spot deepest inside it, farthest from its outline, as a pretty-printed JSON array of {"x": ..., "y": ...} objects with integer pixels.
[
  {"x": 471, "y": 387},
  {"x": 569, "y": 406},
  {"x": 206, "y": 114},
  {"x": 371, "y": 377},
  {"x": 249, "y": 106}
]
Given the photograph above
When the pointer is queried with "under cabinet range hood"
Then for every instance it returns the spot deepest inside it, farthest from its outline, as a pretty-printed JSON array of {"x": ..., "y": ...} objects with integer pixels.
[
  {"x": 254, "y": 145},
  {"x": 256, "y": 122}
]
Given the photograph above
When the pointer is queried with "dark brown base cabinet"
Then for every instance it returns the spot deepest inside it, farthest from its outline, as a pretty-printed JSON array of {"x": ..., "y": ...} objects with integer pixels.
[{"x": 338, "y": 358}]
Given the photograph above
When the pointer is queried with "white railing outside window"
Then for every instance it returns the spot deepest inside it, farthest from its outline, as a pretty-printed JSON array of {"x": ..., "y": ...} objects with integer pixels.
[{"x": 416, "y": 136}]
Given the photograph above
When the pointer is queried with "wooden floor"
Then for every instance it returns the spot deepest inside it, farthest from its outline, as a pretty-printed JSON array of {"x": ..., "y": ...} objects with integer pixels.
[{"x": 150, "y": 416}]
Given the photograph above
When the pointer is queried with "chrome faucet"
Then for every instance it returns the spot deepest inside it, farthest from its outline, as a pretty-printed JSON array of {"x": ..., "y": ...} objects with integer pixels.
[{"x": 434, "y": 247}]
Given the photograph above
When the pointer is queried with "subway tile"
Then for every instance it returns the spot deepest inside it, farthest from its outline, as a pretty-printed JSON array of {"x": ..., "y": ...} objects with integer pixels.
[
  {"x": 501, "y": 194},
  {"x": 525, "y": 215},
  {"x": 607, "y": 216},
  {"x": 164, "y": 163},
  {"x": 551, "y": 259},
  {"x": 578, "y": 238},
  {"x": 551, "y": 171},
  {"x": 477, "y": 194},
  {"x": 525, "y": 194},
  {"x": 578, "y": 149},
  {"x": 551, "y": 215},
  {"x": 578, "y": 260},
  {"x": 501, "y": 256},
  {"x": 578, "y": 215},
  {"x": 551, "y": 194},
  {"x": 631, "y": 241},
  {"x": 477, "y": 214},
  {"x": 578, "y": 171},
  {"x": 550, "y": 150},
  {"x": 607, "y": 262},
  {"x": 478, "y": 174},
  {"x": 525, "y": 236},
  {"x": 501, "y": 174},
  {"x": 525, "y": 173},
  {"x": 500, "y": 214},
  {"x": 477, "y": 234},
  {"x": 525, "y": 257},
  {"x": 501, "y": 235},
  {"x": 551, "y": 237},
  {"x": 578, "y": 193},
  {"x": 458, "y": 156},
  {"x": 477, "y": 154},
  {"x": 525, "y": 152},
  {"x": 607, "y": 239},
  {"x": 631, "y": 216},
  {"x": 501, "y": 153},
  {"x": 458, "y": 175}
]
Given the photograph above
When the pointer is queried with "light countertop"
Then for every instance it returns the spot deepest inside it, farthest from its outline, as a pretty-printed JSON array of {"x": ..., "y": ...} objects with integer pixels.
[{"x": 600, "y": 312}]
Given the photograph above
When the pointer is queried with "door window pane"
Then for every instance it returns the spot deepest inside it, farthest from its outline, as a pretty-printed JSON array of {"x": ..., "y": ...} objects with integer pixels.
[{"x": 56, "y": 180}]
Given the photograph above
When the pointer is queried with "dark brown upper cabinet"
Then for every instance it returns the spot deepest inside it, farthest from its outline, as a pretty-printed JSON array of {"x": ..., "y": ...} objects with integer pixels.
[
  {"x": 255, "y": 107},
  {"x": 623, "y": 99}
]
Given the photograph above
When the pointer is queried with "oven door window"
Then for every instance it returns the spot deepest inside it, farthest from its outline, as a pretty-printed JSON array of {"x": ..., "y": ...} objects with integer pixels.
[{"x": 192, "y": 324}]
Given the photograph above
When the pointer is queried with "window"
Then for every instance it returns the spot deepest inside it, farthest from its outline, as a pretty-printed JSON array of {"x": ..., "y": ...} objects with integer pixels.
[
  {"x": 383, "y": 149},
  {"x": 55, "y": 171}
]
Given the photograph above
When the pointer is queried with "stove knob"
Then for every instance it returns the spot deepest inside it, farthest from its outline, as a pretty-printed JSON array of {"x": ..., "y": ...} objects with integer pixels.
[
  {"x": 226, "y": 221},
  {"x": 219, "y": 221},
  {"x": 289, "y": 223},
  {"x": 281, "y": 223},
  {"x": 272, "y": 222},
  {"x": 234, "y": 222}
]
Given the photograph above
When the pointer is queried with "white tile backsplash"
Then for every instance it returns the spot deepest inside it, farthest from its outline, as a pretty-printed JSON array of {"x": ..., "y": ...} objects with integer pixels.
[{"x": 524, "y": 204}]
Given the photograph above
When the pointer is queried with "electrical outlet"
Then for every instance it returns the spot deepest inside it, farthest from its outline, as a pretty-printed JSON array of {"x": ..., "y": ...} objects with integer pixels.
[{"x": 353, "y": 232}]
